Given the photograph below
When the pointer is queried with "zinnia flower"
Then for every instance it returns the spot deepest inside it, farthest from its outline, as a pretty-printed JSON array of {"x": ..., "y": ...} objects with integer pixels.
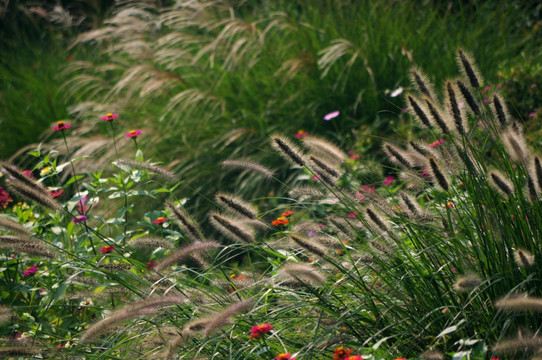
[
  {"x": 287, "y": 213},
  {"x": 46, "y": 170},
  {"x": 133, "y": 134},
  {"x": 79, "y": 219},
  {"x": 284, "y": 356},
  {"x": 388, "y": 180},
  {"x": 355, "y": 357},
  {"x": 31, "y": 270},
  {"x": 160, "y": 220},
  {"x": 533, "y": 114},
  {"x": 150, "y": 264},
  {"x": 280, "y": 221},
  {"x": 61, "y": 126},
  {"x": 56, "y": 193},
  {"x": 107, "y": 249},
  {"x": 403, "y": 359},
  {"x": 5, "y": 198},
  {"x": 331, "y": 115},
  {"x": 341, "y": 353},
  {"x": 301, "y": 133},
  {"x": 28, "y": 173},
  {"x": 260, "y": 329},
  {"x": 110, "y": 117},
  {"x": 436, "y": 143}
]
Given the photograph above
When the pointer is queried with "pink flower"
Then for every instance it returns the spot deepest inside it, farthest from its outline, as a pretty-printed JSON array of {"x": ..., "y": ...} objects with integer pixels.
[
  {"x": 404, "y": 111},
  {"x": 31, "y": 270},
  {"x": 160, "y": 220},
  {"x": 533, "y": 114},
  {"x": 425, "y": 173},
  {"x": 5, "y": 198},
  {"x": 331, "y": 115},
  {"x": 533, "y": 85},
  {"x": 12, "y": 256},
  {"x": 355, "y": 357},
  {"x": 61, "y": 126},
  {"x": 315, "y": 178},
  {"x": 260, "y": 329},
  {"x": 42, "y": 291},
  {"x": 81, "y": 205},
  {"x": 354, "y": 156},
  {"x": 107, "y": 249},
  {"x": 110, "y": 117},
  {"x": 486, "y": 101},
  {"x": 56, "y": 193},
  {"x": 133, "y": 134},
  {"x": 388, "y": 180},
  {"x": 352, "y": 214},
  {"x": 487, "y": 88},
  {"x": 368, "y": 188},
  {"x": 28, "y": 173},
  {"x": 436, "y": 143},
  {"x": 284, "y": 356},
  {"x": 499, "y": 86},
  {"x": 79, "y": 219},
  {"x": 301, "y": 133}
]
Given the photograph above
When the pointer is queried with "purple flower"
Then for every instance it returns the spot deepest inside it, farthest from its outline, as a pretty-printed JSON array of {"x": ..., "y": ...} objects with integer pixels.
[
  {"x": 533, "y": 114},
  {"x": 31, "y": 270},
  {"x": 331, "y": 115},
  {"x": 79, "y": 219}
]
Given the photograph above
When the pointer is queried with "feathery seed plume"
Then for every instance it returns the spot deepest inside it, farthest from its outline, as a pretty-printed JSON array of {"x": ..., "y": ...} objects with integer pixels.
[
  {"x": 168, "y": 175},
  {"x": 410, "y": 206},
  {"x": 468, "y": 68},
  {"x": 536, "y": 170},
  {"x": 308, "y": 244},
  {"x": 150, "y": 243},
  {"x": 375, "y": 219},
  {"x": 438, "y": 116},
  {"x": 287, "y": 150},
  {"x": 432, "y": 355},
  {"x": 397, "y": 156},
  {"x": 518, "y": 346},
  {"x": 19, "y": 351},
  {"x": 467, "y": 283},
  {"x": 531, "y": 191},
  {"x": 342, "y": 226},
  {"x": 231, "y": 228},
  {"x": 501, "y": 183},
  {"x": 438, "y": 174},
  {"x": 419, "y": 110},
  {"x": 523, "y": 258},
  {"x": 304, "y": 273},
  {"x": 319, "y": 164},
  {"x": 224, "y": 317},
  {"x": 324, "y": 149},
  {"x": 468, "y": 97},
  {"x": 35, "y": 194},
  {"x": 115, "y": 266},
  {"x": 306, "y": 192},
  {"x": 18, "y": 174},
  {"x": 187, "y": 224},
  {"x": 500, "y": 111},
  {"x": 185, "y": 251},
  {"x": 413, "y": 180},
  {"x": 196, "y": 326},
  {"x": 31, "y": 249},
  {"x": 515, "y": 145},
  {"x": 519, "y": 303},
  {"x": 236, "y": 205},
  {"x": 173, "y": 345},
  {"x": 419, "y": 148},
  {"x": 8, "y": 224},
  {"x": 249, "y": 165},
  {"x": 421, "y": 83},
  {"x": 459, "y": 119}
]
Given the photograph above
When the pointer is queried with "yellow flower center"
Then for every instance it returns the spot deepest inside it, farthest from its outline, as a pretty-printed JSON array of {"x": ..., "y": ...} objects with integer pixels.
[
  {"x": 160, "y": 218},
  {"x": 109, "y": 114},
  {"x": 300, "y": 131},
  {"x": 132, "y": 132},
  {"x": 60, "y": 124}
]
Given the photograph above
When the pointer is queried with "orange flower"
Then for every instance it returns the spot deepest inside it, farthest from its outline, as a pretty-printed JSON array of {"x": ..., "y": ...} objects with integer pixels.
[
  {"x": 287, "y": 213},
  {"x": 341, "y": 353},
  {"x": 280, "y": 221}
]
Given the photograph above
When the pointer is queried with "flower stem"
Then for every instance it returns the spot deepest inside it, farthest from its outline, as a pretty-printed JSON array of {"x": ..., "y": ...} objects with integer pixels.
[{"x": 123, "y": 185}]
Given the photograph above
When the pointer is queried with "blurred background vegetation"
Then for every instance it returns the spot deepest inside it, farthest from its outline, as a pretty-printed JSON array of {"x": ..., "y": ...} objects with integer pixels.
[{"x": 210, "y": 80}]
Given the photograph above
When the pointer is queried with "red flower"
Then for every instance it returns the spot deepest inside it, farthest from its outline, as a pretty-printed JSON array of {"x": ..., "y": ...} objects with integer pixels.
[
  {"x": 61, "y": 126},
  {"x": 341, "y": 353},
  {"x": 159, "y": 220},
  {"x": 406, "y": 359},
  {"x": 5, "y": 198},
  {"x": 133, "y": 134},
  {"x": 355, "y": 357},
  {"x": 107, "y": 249},
  {"x": 150, "y": 264},
  {"x": 287, "y": 213},
  {"x": 301, "y": 134},
  {"x": 388, "y": 180},
  {"x": 284, "y": 356},
  {"x": 31, "y": 270},
  {"x": 110, "y": 117},
  {"x": 56, "y": 193},
  {"x": 260, "y": 329},
  {"x": 280, "y": 221}
]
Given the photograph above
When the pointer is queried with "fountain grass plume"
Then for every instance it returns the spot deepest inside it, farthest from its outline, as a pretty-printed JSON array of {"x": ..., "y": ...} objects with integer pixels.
[
  {"x": 164, "y": 173},
  {"x": 324, "y": 149},
  {"x": 468, "y": 97},
  {"x": 185, "y": 251},
  {"x": 288, "y": 150},
  {"x": 148, "y": 242},
  {"x": 223, "y": 318},
  {"x": 500, "y": 110},
  {"x": 303, "y": 273},
  {"x": 422, "y": 83},
  {"x": 250, "y": 166},
  {"x": 515, "y": 145},
  {"x": 519, "y": 303},
  {"x": 419, "y": 110},
  {"x": 439, "y": 118},
  {"x": 311, "y": 245},
  {"x": 499, "y": 182},
  {"x": 438, "y": 174},
  {"x": 467, "y": 282},
  {"x": 13, "y": 226},
  {"x": 232, "y": 228},
  {"x": 236, "y": 205},
  {"x": 468, "y": 68},
  {"x": 460, "y": 123},
  {"x": 187, "y": 224},
  {"x": 34, "y": 193}
]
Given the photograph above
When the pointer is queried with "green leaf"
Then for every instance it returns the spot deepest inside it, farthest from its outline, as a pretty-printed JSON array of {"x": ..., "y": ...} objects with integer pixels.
[{"x": 73, "y": 179}]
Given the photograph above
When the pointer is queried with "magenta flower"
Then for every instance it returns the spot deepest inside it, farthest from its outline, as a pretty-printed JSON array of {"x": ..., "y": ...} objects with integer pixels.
[
  {"x": 56, "y": 193},
  {"x": 133, "y": 134},
  {"x": 260, "y": 329},
  {"x": 79, "y": 219},
  {"x": 110, "y": 117},
  {"x": 31, "y": 270},
  {"x": 388, "y": 180},
  {"x": 28, "y": 173},
  {"x": 61, "y": 126},
  {"x": 81, "y": 205},
  {"x": 436, "y": 143},
  {"x": 352, "y": 214},
  {"x": 331, "y": 115},
  {"x": 301, "y": 133},
  {"x": 107, "y": 249},
  {"x": 486, "y": 101},
  {"x": 533, "y": 85},
  {"x": 159, "y": 220},
  {"x": 5, "y": 198},
  {"x": 533, "y": 114}
]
